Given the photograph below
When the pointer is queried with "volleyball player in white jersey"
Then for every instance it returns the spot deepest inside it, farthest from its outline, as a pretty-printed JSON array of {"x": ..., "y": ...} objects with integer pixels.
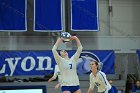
[
  {"x": 67, "y": 66},
  {"x": 98, "y": 78},
  {"x": 55, "y": 75}
]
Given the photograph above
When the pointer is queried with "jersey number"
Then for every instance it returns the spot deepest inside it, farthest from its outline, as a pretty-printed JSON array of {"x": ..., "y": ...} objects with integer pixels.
[{"x": 70, "y": 66}]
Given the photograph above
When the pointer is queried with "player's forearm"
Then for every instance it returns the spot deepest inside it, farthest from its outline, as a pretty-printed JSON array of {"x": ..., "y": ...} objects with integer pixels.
[
  {"x": 77, "y": 40},
  {"x": 90, "y": 90},
  {"x": 59, "y": 40},
  {"x": 59, "y": 84},
  {"x": 51, "y": 79},
  {"x": 80, "y": 48}
]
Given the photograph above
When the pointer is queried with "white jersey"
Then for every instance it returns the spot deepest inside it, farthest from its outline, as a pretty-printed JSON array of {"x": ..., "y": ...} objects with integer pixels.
[
  {"x": 100, "y": 81},
  {"x": 67, "y": 67},
  {"x": 57, "y": 73}
]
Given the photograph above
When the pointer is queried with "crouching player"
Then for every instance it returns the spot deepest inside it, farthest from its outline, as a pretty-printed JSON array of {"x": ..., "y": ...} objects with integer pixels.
[{"x": 98, "y": 78}]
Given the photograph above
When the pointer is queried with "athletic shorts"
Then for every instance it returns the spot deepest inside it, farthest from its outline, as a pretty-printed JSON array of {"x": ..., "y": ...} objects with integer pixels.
[{"x": 72, "y": 89}]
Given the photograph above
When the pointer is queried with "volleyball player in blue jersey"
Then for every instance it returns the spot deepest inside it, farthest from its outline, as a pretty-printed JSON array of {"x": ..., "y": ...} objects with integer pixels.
[
  {"x": 67, "y": 66},
  {"x": 98, "y": 79}
]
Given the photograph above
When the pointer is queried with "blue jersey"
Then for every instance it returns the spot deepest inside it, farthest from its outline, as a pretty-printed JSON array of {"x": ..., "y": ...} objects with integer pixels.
[{"x": 135, "y": 89}]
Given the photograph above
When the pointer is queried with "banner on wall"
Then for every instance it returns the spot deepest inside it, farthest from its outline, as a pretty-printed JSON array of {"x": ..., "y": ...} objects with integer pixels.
[
  {"x": 106, "y": 57},
  {"x": 42, "y": 62},
  {"x": 84, "y": 15},
  {"x": 138, "y": 53},
  {"x": 48, "y": 15},
  {"x": 13, "y": 15}
]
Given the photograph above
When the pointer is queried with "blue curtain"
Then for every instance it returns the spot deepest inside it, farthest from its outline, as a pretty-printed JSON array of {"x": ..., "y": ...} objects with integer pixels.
[
  {"x": 84, "y": 15},
  {"x": 13, "y": 15},
  {"x": 48, "y": 15}
]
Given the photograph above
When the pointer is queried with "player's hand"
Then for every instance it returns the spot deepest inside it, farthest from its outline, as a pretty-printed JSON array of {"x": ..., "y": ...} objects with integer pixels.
[
  {"x": 62, "y": 39},
  {"x": 49, "y": 80},
  {"x": 57, "y": 86},
  {"x": 73, "y": 37}
]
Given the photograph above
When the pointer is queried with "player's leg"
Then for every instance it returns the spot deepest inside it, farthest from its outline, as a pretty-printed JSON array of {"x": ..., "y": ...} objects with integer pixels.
[
  {"x": 78, "y": 91},
  {"x": 66, "y": 92}
]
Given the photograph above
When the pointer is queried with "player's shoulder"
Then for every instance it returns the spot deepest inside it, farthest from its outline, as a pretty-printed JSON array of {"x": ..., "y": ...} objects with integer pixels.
[
  {"x": 101, "y": 73},
  {"x": 91, "y": 75},
  {"x": 56, "y": 66}
]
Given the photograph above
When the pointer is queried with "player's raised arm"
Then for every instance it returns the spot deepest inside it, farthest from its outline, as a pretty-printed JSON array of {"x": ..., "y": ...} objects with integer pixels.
[
  {"x": 79, "y": 45},
  {"x": 90, "y": 90},
  {"x": 77, "y": 40},
  {"x": 54, "y": 49}
]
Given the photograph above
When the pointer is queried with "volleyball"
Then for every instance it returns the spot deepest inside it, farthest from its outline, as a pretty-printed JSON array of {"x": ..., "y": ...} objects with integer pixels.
[{"x": 66, "y": 36}]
